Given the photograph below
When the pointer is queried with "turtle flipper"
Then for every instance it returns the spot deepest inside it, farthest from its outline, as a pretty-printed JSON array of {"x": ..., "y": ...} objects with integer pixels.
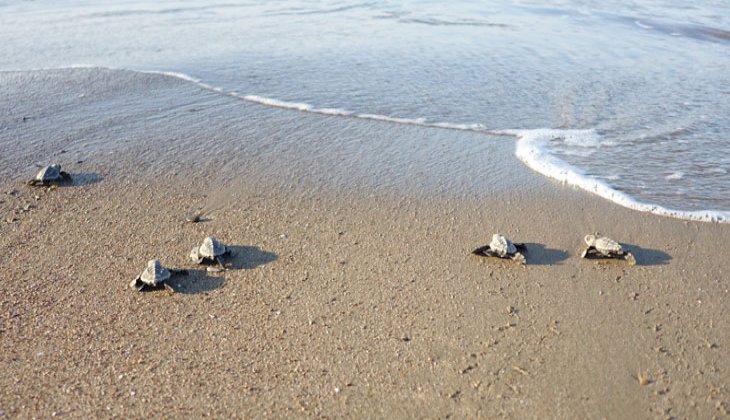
[
  {"x": 520, "y": 247},
  {"x": 586, "y": 251},
  {"x": 65, "y": 176},
  {"x": 168, "y": 287},
  {"x": 219, "y": 260},
  {"x": 629, "y": 257},
  {"x": 137, "y": 284},
  {"x": 195, "y": 256},
  {"x": 520, "y": 258}
]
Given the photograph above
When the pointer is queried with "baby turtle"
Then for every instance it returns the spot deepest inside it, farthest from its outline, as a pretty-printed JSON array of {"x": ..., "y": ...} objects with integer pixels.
[
  {"x": 502, "y": 247},
  {"x": 209, "y": 252},
  {"x": 50, "y": 175},
  {"x": 604, "y": 247},
  {"x": 155, "y": 275}
]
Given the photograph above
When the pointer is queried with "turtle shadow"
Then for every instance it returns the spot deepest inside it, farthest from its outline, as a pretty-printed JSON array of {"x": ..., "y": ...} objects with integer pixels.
[
  {"x": 539, "y": 254},
  {"x": 83, "y": 178},
  {"x": 247, "y": 257},
  {"x": 648, "y": 256},
  {"x": 195, "y": 281}
]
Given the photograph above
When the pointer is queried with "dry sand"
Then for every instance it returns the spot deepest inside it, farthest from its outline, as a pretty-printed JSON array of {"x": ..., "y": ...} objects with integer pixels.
[
  {"x": 353, "y": 306},
  {"x": 353, "y": 302}
]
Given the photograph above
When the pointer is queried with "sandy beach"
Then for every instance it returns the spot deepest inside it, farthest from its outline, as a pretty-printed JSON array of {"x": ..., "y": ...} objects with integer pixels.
[{"x": 353, "y": 291}]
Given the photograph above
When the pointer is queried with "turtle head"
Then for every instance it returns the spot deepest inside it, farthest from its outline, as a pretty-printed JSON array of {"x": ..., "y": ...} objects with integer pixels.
[{"x": 590, "y": 240}]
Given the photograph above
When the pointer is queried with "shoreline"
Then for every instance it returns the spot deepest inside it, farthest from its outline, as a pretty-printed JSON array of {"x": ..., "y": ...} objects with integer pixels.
[{"x": 529, "y": 148}]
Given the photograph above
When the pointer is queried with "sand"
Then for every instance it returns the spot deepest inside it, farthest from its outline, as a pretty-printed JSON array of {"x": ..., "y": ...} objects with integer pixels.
[{"x": 348, "y": 302}]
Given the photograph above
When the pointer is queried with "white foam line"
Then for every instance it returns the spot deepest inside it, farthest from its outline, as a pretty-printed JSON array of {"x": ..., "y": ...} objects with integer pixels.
[
  {"x": 333, "y": 111},
  {"x": 532, "y": 149},
  {"x": 407, "y": 121},
  {"x": 276, "y": 103},
  {"x": 305, "y": 107}
]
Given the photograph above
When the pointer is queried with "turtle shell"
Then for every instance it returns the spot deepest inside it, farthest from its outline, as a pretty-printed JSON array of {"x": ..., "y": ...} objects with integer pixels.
[
  {"x": 604, "y": 245},
  {"x": 211, "y": 248},
  {"x": 608, "y": 245},
  {"x": 50, "y": 173},
  {"x": 155, "y": 273},
  {"x": 502, "y": 246}
]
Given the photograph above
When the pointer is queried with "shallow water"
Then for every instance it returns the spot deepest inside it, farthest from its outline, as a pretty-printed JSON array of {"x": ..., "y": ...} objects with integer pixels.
[{"x": 637, "y": 93}]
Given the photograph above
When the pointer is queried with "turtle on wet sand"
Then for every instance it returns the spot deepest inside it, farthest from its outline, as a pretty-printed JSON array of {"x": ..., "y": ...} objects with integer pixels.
[
  {"x": 209, "y": 252},
  {"x": 155, "y": 275},
  {"x": 604, "y": 247},
  {"x": 502, "y": 247},
  {"x": 50, "y": 175}
]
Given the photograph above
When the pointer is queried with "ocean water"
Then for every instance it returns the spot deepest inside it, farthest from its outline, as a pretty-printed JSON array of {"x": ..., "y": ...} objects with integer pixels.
[{"x": 628, "y": 100}]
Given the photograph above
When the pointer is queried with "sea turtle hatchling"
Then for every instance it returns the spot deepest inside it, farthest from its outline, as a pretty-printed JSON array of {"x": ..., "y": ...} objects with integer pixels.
[
  {"x": 602, "y": 246},
  {"x": 210, "y": 251},
  {"x": 155, "y": 275},
  {"x": 502, "y": 247},
  {"x": 50, "y": 175}
]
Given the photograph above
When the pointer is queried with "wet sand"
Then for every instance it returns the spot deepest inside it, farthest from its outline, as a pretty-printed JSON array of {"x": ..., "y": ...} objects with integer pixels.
[{"x": 361, "y": 301}]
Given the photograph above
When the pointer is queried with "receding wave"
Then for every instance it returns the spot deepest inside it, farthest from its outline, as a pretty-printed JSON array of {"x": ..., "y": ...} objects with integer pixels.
[
  {"x": 304, "y": 107},
  {"x": 532, "y": 149},
  {"x": 532, "y": 146}
]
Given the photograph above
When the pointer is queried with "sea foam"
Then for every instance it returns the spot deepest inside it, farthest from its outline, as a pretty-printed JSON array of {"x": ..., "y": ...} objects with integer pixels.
[{"x": 532, "y": 148}]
